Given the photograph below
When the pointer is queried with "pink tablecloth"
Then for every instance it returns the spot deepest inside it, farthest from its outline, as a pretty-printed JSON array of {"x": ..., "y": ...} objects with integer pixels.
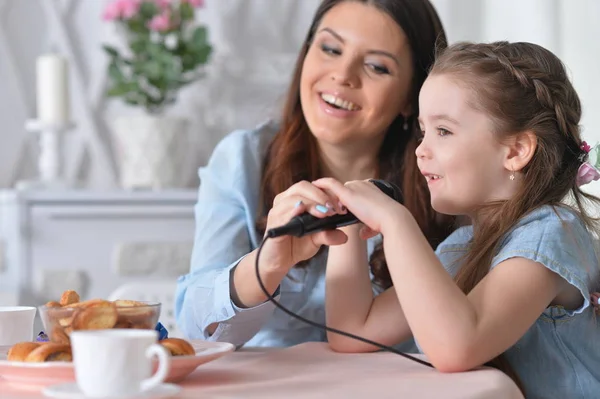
[{"x": 313, "y": 371}]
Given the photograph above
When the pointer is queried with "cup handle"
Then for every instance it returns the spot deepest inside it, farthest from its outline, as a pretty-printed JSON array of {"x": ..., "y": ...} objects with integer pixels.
[{"x": 164, "y": 363}]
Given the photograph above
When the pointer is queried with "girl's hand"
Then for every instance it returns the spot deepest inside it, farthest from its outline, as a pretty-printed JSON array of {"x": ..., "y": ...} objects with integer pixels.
[
  {"x": 282, "y": 253},
  {"x": 367, "y": 202}
]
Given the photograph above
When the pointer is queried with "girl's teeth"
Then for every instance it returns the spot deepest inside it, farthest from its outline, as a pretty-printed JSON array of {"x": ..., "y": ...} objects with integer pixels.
[{"x": 338, "y": 102}]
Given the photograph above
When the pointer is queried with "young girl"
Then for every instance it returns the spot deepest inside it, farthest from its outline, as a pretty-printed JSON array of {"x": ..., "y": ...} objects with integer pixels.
[{"x": 501, "y": 145}]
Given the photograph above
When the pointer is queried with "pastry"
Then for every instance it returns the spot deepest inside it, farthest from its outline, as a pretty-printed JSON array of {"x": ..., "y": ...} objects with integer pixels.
[
  {"x": 88, "y": 303},
  {"x": 69, "y": 297},
  {"x": 178, "y": 347},
  {"x": 59, "y": 336},
  {"x": 96, "y": 316},
  {"x": 134, "y": 312},
  {"x": 50, "y": 352},
  {"x": 19, "y": 351}
]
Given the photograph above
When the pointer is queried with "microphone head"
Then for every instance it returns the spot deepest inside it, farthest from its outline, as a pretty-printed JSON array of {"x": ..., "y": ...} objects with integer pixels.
[{"x": 390, "y": 189}]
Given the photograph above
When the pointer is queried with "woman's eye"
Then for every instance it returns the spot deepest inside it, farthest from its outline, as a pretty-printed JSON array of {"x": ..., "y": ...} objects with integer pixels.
[
  {"x": 379, "y": 69},
  {"x": 330, "y": 50}
]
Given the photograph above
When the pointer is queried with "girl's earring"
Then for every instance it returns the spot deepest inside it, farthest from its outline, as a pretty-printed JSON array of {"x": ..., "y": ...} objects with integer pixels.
[
  {"x": 405, "y": 126},
  {"x": 512, "y": 175}
]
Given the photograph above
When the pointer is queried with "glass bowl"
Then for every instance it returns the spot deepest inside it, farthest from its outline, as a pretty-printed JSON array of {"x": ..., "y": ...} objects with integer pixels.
[{"x": 97, "y": 314}]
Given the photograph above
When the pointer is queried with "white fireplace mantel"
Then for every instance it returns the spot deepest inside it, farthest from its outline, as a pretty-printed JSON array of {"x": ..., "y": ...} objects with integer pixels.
[{"x": 93, "y": 242}]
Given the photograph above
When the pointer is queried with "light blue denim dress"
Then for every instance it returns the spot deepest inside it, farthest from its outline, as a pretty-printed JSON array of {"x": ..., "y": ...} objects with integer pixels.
[
  {"x": 559, "y": 356},
  {"x": 226, "y": 214}
]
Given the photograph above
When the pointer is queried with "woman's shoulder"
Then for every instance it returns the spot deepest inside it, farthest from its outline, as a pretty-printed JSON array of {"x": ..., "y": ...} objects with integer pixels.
[
  {"x": 247, "y": 142},
  {"x": 240, "y": 154}
]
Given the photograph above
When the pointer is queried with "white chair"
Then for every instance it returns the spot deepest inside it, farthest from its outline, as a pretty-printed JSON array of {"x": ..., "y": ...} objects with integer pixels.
[{"x": 153, "y": 291}]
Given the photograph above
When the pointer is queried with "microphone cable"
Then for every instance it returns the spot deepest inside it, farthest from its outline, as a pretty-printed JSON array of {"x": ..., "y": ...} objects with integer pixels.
[{"x": 323, "y": 326}]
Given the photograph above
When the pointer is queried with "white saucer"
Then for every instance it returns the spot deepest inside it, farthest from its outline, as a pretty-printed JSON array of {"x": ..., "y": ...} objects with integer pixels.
[{"x": 71, "y": 391}]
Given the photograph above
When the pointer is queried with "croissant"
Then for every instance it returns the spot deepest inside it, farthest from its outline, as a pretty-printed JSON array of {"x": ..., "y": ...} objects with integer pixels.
[
  {"x": 50, "y": 352},
  {"x": 19, "y": 351},
  {"x": 178, "y": 347}
]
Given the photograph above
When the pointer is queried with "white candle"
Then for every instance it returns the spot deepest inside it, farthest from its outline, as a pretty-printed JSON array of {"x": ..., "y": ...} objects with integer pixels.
[{"x": 52, "y": 89}]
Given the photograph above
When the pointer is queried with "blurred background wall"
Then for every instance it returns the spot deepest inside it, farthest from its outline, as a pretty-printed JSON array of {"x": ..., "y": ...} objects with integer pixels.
[{"x": 255, "y": 44}]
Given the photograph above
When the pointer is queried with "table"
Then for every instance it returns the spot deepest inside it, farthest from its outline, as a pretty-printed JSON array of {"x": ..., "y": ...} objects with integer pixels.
[{"x": 312, "y": 370}]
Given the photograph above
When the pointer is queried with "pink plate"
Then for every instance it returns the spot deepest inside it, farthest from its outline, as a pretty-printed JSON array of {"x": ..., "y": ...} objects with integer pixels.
[{"x": 37, "y": 375}]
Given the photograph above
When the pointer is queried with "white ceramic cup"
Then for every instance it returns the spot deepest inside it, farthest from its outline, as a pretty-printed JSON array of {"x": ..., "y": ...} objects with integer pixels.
[
  {"x": 117, "y": 362},
  {"x": 16, "y": 324}
]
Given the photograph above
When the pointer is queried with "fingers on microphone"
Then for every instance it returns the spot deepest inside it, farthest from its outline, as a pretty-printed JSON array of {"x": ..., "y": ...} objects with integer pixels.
[
  {"x": 300, "y": 205},
  {"x": 366, "y": 232},
  {"x": 329, "y": 237}
]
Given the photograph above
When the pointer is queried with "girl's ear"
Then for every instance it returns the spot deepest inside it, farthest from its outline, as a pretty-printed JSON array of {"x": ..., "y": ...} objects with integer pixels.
[{"x": 521, "y": 148}]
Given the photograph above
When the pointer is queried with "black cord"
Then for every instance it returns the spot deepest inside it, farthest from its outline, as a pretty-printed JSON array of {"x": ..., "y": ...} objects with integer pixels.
[{"x": 322, "y": 326}]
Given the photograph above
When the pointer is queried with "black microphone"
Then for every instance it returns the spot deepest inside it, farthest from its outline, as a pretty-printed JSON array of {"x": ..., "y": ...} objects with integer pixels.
[{"x": 306, "y": 223}]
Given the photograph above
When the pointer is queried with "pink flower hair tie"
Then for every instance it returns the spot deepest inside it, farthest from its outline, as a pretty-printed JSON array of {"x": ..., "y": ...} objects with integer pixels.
[
  {"x": 585, "y": 147},
  {"x": 587, "y": 172}
]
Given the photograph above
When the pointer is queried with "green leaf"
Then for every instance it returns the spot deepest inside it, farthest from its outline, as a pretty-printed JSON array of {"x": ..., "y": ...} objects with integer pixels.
[
  {"x": 138, "y": 26},
  {"x": 139, "y": 45},
  {"x": 110, "y": 50},
  {"x": 188, "y": 62},
  {"x": 187, "y": 12},
  {"x": 201, "y": 57},
  {"x": 154, "y": 49},
  {"x": 121, "y": 89},
  {"x": 115, "y": 73},
  {"x": 148, "y": 10},
  {"x": 199, "y": 37},
  {"x": 153, "y": 69}
]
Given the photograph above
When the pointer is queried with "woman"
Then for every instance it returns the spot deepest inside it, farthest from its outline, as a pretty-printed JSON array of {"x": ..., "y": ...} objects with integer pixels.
[{"x": 350, "y": 114}]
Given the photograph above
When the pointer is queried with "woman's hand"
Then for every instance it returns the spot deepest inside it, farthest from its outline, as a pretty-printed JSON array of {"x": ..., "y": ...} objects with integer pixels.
[
  {"x": 368, "y": 203},
  {"x": 282, "y": 253}
]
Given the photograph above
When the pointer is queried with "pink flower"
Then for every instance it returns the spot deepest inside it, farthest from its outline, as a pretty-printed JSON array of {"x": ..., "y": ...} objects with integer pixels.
[
  {"x": 585, "y": 147},
  {"x": 194, "y": 3},
  {"x": 161, "y": 23},
  {"x": 121, "y": 9},
  {"x": 162, "y": 4},
  {"x": 586, "y": 174}
]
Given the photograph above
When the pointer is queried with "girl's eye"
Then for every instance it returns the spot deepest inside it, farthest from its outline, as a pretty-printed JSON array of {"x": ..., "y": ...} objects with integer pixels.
[{"x": 443, "y": 132}]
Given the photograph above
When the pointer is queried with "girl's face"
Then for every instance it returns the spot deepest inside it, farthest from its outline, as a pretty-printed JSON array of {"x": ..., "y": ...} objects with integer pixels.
[
  {"x": 459, "y": 155},
  {"x": 356, "y": 77}
]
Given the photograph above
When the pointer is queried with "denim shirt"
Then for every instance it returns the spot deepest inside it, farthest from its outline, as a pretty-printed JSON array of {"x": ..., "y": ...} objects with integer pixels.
[
  {"x": 559, "y": 356},
  {"x": 226, "y": 215}
]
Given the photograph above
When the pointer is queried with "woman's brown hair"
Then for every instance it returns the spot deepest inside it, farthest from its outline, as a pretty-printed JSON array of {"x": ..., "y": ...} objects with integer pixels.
[
  {"x": 522, "y": 87},
  {"x": 292, "y": 155}
]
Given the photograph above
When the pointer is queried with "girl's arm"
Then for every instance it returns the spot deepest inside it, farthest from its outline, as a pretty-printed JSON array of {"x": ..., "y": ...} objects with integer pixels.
[
  {"x": 457, "y": 332},
  {"x": 350, "y": 305}
]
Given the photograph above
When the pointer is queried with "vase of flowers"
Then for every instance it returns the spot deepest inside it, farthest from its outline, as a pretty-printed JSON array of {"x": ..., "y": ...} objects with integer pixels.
[{"x": 164, "y": 52}]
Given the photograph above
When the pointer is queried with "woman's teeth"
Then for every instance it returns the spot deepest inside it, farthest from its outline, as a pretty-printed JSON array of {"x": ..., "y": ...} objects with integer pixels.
[
  {"x": 432, "y": 177},
  {"x": 338, "y": 102}
]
